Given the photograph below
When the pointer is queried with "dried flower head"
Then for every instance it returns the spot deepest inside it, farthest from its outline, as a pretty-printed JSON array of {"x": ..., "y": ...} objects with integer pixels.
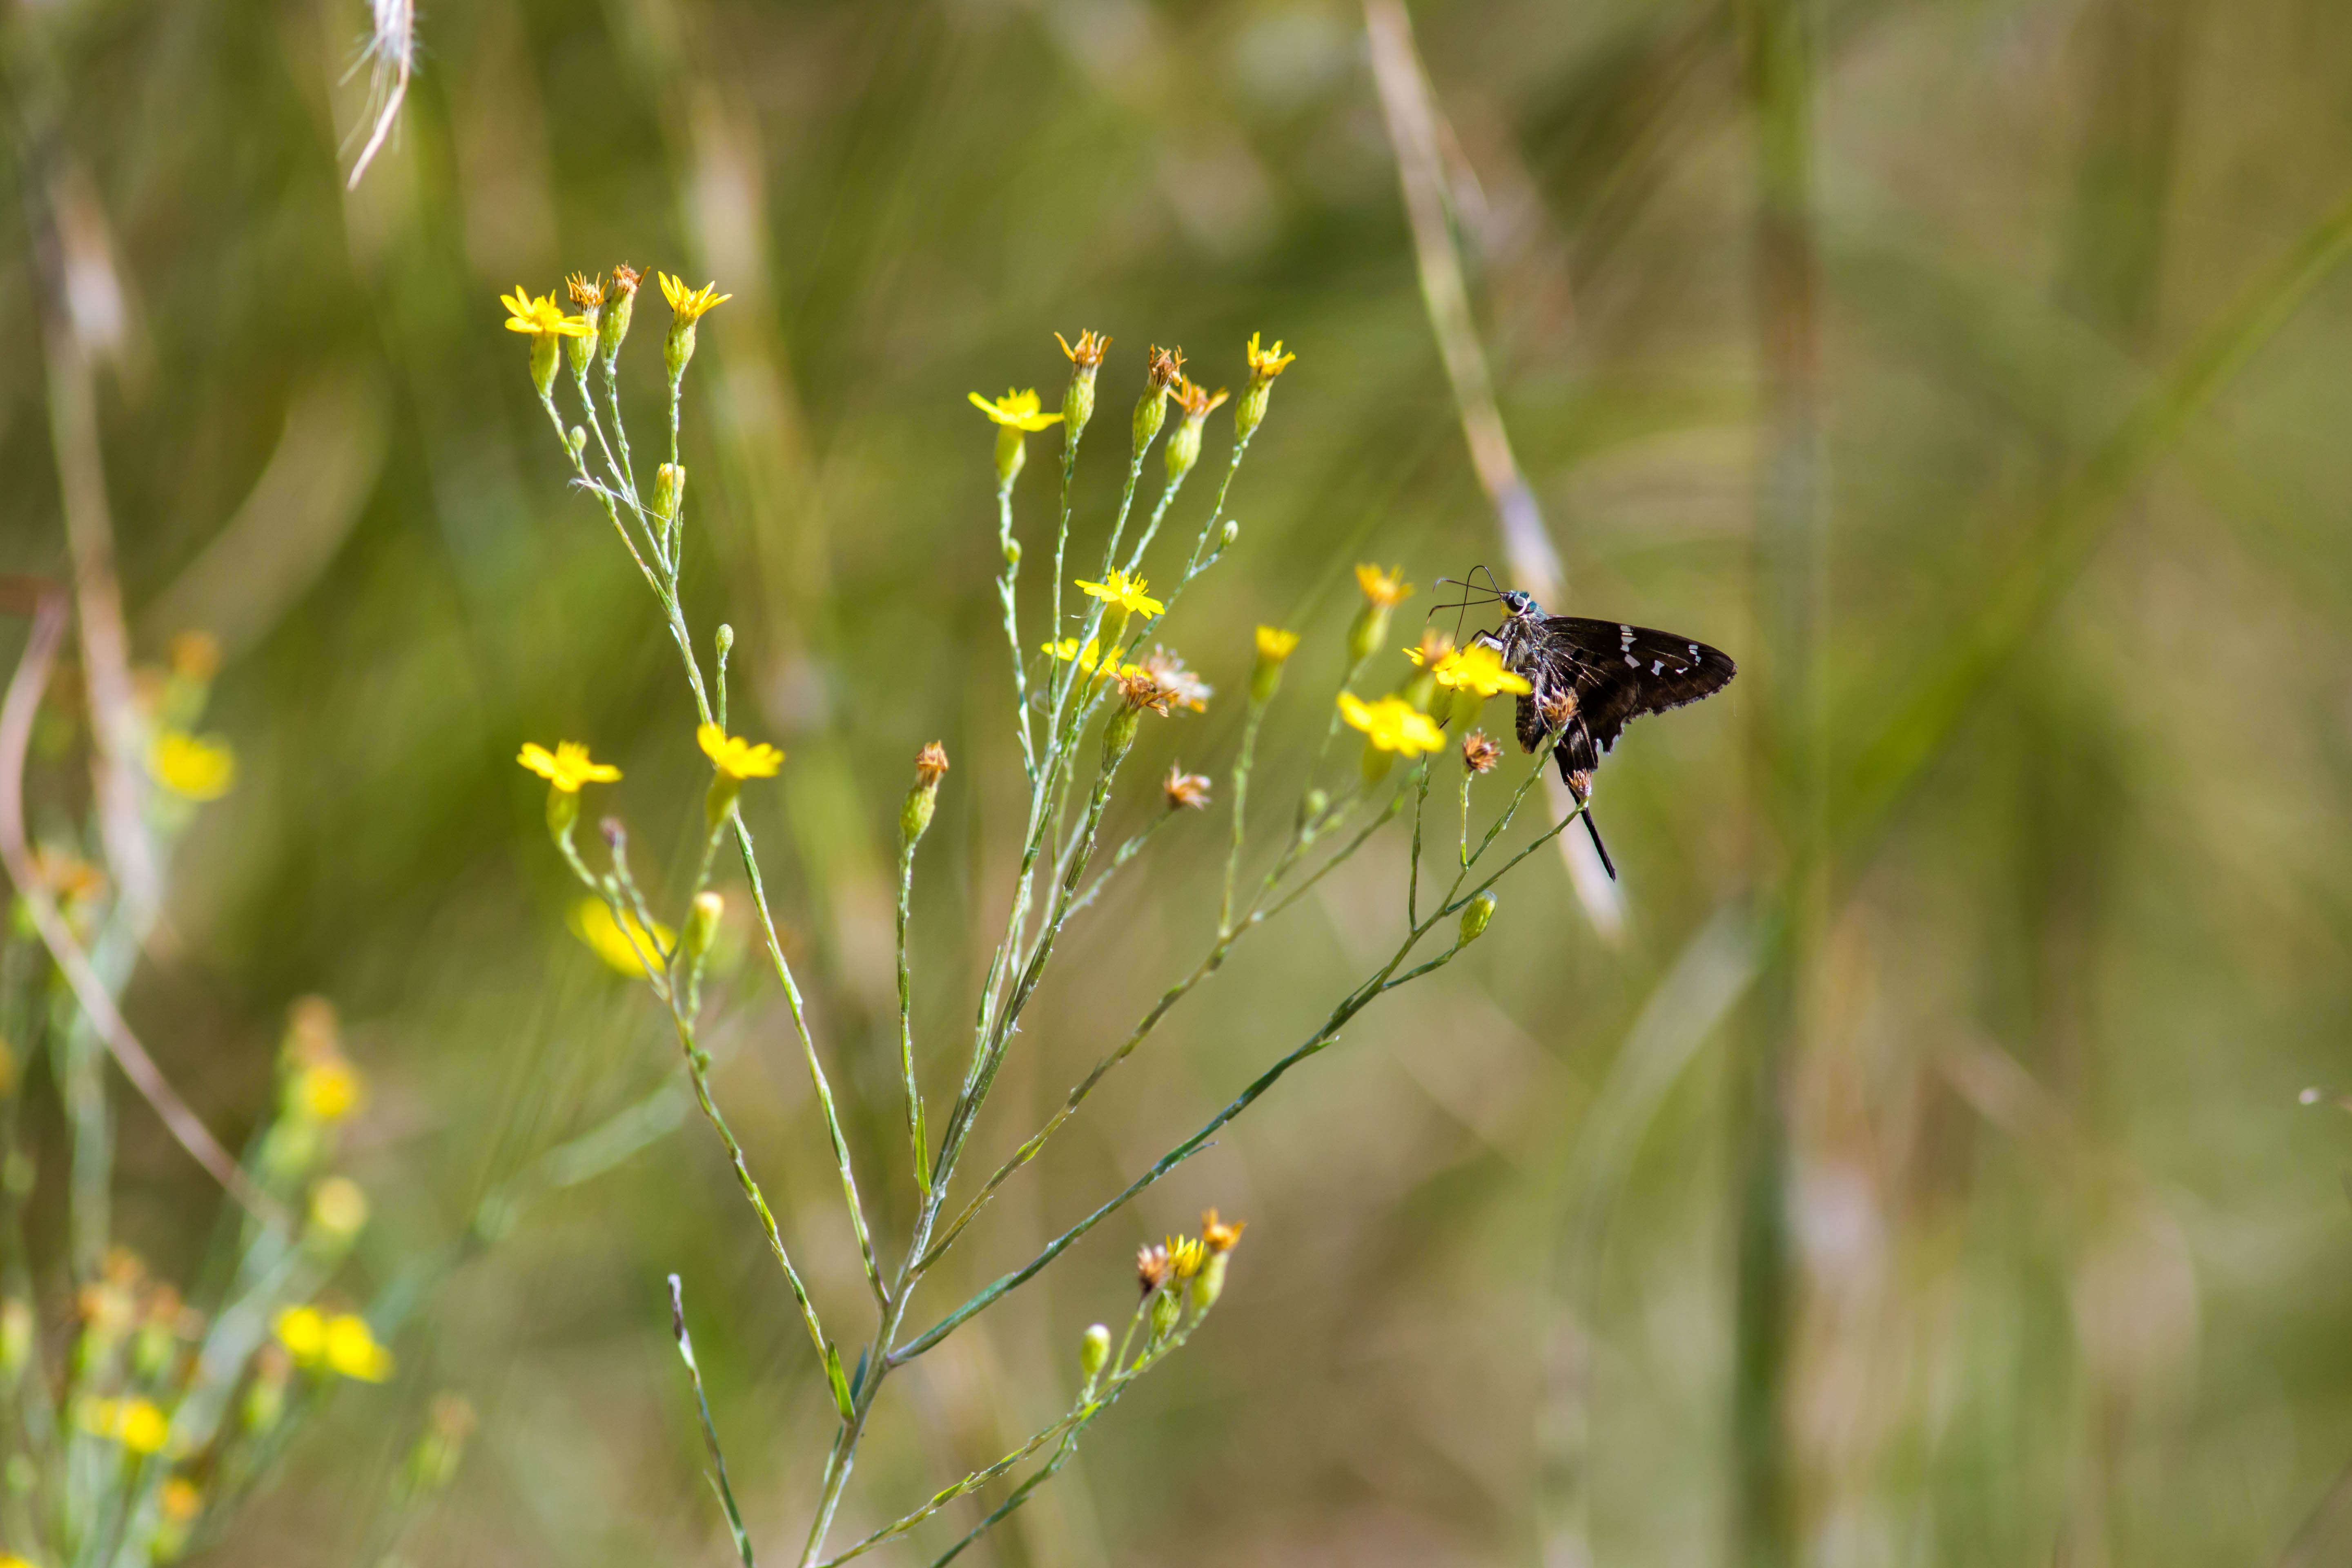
[
  {"x": 1088, "y": 352},
  {"x": 626, "y": 279},
  {"x": 1479, "y": 753},
  {"x": 1140, "y": 689},
  {"x": 1384, "y": 590},
  {"x": 1556, "y": 707},
  {"x": 1186, "y": 688},
  {"x": 1166, "y": 369},
  {"x": 1185, "y": 792},
  {"x": 1219, "y": 1237},
  {"x": 930, "y": 764},
  {"x": 1196, "y": 400},
  {"x": 1151, "y": 1267},
  {"x": 588, "y": 293},
  {"x": 690, "y": 305}
]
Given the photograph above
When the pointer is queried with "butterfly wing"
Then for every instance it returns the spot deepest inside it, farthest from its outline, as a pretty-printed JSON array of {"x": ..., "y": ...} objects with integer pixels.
[{"x": 1614, "y": 673}]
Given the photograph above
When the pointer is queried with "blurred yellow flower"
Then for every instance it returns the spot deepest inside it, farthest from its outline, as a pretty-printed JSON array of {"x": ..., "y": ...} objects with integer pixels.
[
  {"x": 1387, "y": 589},
  {"x": 1125, "y": 592},
  {"x": 181, "y": 1499},
  {"x": 591, "y": 922},
  {"x": 1088, "y": 656},
  {"x": 338, "y": 1208},
  {"x": 303, "y": 1332},
  {"x": 1477, "y": 668},
  {"x": 1186, "y": 1255},
  {"x": 1016, "y": 409},
  {"x": 1391, "y": 724},
  {"x": 540, "y": 317},
  {"x": 690, "y": 305},
  {"x": 351, "y": 1350},
  {"x": 327, "y": 1089},
  {"x": 567, "y": 767},
  {"x": 191, "y": 766},
  {"x": 139, "y": 1424},
  {"x": 1275, "y": 645},
  {"x": 737, "y": 757}
]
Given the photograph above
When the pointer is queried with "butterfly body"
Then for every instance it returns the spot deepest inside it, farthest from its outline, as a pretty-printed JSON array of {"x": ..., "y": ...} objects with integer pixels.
[{"x": 1590, "y": 679}]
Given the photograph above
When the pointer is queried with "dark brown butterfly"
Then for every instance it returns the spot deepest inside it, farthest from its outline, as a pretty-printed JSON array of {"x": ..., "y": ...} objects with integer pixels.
[{"x": 1593, "y": 677}]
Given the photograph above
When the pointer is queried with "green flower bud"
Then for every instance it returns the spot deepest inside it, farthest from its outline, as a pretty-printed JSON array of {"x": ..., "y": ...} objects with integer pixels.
[
  {"x": 1208, "y": 1285},
  {"x": 670, "y": 492},
  {"x": 1011, "y": 451},
  {"x": 1166, "y": 1308},
  {"x": 1251, "y": 409},
  {"x": 702, "y": 923},
  {"x": 1013, "y": 552},
  {"x": 1183, "y": 450},
  {"x": 577, "y": 351},
  {"x": 1474, "y": 916},
  {"x": 576, "y": 442},
  {"x": 1368, "y": 631},
  {"x": 1118, "y": 734},
  {"x": 1078, "y": 402},
  {"x": 1233, "y": 531},
  {"x": 725, "y": 638},
  {"x": 1094, "y": 1352},
  {"x": 1150, "y": 412},
  {"x": 915, "y": 817}
]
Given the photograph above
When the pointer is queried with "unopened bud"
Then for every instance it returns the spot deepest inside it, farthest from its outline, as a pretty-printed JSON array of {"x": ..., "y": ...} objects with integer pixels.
[
  {"x": 1474, "y": 916},
  {"x": 1150, "y": 413},
  {"x": 576, "y": 442},
  {"x": 1183, "y": 450},
  {"x": 702, "y": 923},
  {"x": 1166, "y": 1308},
  {"x": 1094, "y": 1352},
  {"x": 1274, "y": 648},
  {"x": 725, "y": 639},
  {"x": 915, "y": 817},
  {"x": 1013, "y": 552},
  {"x": 1233, "y": 531},
  {"x": 1118, "y": 734},
  {"x": 1251, "y": 409},
  {"x": 1368, "y": 631},
  {"x": 1209, "y": 1284},
  {"x": 670, "y": 492},
  {"x": 578, "y": 350}
]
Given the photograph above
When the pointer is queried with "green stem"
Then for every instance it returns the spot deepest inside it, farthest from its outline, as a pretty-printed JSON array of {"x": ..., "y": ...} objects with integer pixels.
[
  {"x": 917, "y": 1140},
  {"x": 710, "y": 1431}
]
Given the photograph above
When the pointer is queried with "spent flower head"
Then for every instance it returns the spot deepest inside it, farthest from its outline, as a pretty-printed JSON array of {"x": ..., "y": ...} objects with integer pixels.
[
  {"x": 1479, "y": 753},
  {"x": 1088, "y": 352},
  {"x": 1166, "y": 368},
  {"x": 1186, "y": 688},
  {"x": 1151, "y": 1267},
  {"x": 930, "y": 764},
  {"x": 1217, "y": 1236},
  {"x": 586, "y": 292},
  {"x": 1086, "y": 357},
  {"x": 1185, "y": 792},
  {"x": 1139, "y": 688}
]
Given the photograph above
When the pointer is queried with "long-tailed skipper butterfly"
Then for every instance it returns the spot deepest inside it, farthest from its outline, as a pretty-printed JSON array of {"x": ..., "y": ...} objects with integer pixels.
[{"x": 1592, "y": 678}]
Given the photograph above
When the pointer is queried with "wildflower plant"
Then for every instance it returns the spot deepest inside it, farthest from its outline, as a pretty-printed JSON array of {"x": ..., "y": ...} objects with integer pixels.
[
  {"x": 137, "y": 1411},
  {"x": 1103, "y": 670}
]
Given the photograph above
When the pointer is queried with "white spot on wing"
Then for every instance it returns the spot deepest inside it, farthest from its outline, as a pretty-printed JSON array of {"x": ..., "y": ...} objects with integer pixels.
[
  {"x": 1632, "y": 663},
  {"x": 1657, "y": 664}
]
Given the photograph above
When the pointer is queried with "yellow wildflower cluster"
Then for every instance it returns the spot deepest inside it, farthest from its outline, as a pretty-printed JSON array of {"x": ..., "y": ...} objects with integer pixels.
[
  {"x": 139, "y": 1424},
  {"x": 343, "y": 1343}
]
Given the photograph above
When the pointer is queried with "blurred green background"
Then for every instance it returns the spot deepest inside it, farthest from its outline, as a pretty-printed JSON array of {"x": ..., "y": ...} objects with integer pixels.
[{"x": 1921, "y": 1174}]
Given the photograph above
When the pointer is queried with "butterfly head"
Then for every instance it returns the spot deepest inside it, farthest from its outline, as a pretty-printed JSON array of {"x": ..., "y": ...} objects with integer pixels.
[{"x": 1517, "y": 603}]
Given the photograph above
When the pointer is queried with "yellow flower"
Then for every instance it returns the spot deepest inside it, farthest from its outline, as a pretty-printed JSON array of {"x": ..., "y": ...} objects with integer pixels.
[
  {"x": 736, "y": 757},
  {"x": 1088, "y": 352},
  {"x": 1391, "y": 724},
  {"x": 1268, "y": 363},
  {"x": 1125, "y": 592},
  {"x": 1275, "y": 645},
  {"x": 1387, "y": 590},
  {"x": 143, "y": 1428},
  {"x": 591, "y": 922},
  {"x": 351, "y": 1350},
  {"x": 1186, "y": 1255},
  {"x": 303, "y": 1332},
  {"x": 1477, "y": 670},
  {"x": 327, "y": 1089},
  {"x": 1218, "y": 1238},
  {"x": 567, "y": 767},
  {"x": 191, "y": 766},
  {"x": 690, "y": 305},
  {"x": 540, "y": 317},
  {"x": 1088, "y": 658},
  {"x": 1018, "y": 410}
]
